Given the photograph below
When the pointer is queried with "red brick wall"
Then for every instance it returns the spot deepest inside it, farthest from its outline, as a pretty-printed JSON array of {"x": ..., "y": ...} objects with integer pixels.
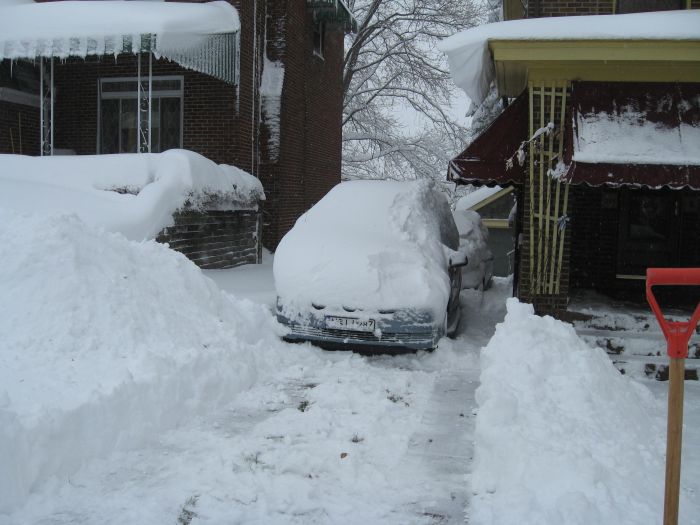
[
  {"x": 595, "y": 226},
  {"x": 222, "y": 122},
  {"x": 594, "y": 230},
  {"x": 545, "y": 8},
  {"x": 210, "y": 117},
  {"x": 309, "y": 159}
]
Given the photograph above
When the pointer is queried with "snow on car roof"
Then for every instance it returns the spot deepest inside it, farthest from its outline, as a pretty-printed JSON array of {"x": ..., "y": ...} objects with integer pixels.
[
  {"x": 470, "y": 60},
  {"x": 134, "y": 194},
  {"x": 369, "y": 244}
]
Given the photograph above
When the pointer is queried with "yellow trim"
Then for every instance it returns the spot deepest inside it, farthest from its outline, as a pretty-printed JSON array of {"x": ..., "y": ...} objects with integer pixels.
[
  {"x": 496, "y": 223},
  {"x": 494, "y": 197},
  {"x": 519, "y": 61},
  {"x": 596, "y": 50}
]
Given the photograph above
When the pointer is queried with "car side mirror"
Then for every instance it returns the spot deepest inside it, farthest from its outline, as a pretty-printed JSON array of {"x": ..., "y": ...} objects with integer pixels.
[{"x": 459, "y": 264}]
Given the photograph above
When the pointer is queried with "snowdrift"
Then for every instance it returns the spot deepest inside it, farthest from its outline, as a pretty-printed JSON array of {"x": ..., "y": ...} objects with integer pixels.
[
  {"x": 561, "y": 436},
  {"x": 135, "y": 194},
  {"x": 104, "y": 343}
]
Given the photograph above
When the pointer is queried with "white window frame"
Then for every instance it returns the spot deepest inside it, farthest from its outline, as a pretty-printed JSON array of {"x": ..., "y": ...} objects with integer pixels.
[{"x": 121, "y": 95}]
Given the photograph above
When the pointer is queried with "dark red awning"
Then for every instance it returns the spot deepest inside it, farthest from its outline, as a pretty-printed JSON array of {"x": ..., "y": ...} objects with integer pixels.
[
  {"x": 634, "y": 134},
  {"x": 484, "y": 162}
]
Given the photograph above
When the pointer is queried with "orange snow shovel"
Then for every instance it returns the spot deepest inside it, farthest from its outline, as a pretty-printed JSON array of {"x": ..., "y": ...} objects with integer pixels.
[{"x": 677, "y": 336}]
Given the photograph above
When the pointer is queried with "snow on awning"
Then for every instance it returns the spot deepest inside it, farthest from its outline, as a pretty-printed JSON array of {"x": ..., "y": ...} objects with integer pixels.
[
  {"x": 634, "y": 134},
  {"x": 472, "y": 66},
  {"x": 485, "y": 160},
  {"x": 202, "y": 37}
]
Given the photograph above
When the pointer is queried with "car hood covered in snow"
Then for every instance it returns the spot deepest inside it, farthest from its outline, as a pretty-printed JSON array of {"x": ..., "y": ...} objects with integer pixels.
[{"x": 370, "y": 245}]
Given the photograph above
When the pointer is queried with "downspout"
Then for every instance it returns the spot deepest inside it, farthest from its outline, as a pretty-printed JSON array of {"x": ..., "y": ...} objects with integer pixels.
[
  {"x": 254, "y": 80},
  {"x": 51, "y": 114}
]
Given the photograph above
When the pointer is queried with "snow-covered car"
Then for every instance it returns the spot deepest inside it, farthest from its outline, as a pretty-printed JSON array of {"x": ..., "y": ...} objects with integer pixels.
[
  {"x": 473, "y": 241},
  {"x": 374, "y": 265}
]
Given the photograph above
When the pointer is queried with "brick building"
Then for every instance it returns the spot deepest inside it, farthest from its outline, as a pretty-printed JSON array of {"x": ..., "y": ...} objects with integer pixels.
[
  {"x": 265, "y": 96},
  {"x": 601, "y": 140}
]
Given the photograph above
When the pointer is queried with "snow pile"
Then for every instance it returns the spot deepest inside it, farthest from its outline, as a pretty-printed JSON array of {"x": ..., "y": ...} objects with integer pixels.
[
  {"x": 470, "y": 59},
  {"x": 106, "y": 343},
  {"x": 473, "y": 239},
  {"x": 627, "y": 137},
  {"x": 135, "y": 194},
  {"x": 369, "y": 244},
  {"x": 561, "y": 436}
]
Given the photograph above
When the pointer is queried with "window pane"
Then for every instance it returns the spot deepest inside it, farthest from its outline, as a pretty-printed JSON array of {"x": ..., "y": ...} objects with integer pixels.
[
  {"x": 169, "y": 123},
  {"x": 128, "y": 126},
  {"x": 109, "y": 132}
]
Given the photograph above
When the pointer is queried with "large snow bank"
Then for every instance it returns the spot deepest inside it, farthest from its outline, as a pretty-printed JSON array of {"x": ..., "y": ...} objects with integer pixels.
[
  {"x": 104, "y": 343},
  {"x": 150, "y": 187},
  {"x": 470, "y": 59},
  {"x": 80, "y": 28},
  {"x": 561, "y": 436},
  {"x": 369, "y": 244}
]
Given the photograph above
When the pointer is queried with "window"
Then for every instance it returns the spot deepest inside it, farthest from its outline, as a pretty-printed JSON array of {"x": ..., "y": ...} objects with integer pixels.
[
  {"x": 319, "y": 36},
  {"x": 117, "y": 115}
]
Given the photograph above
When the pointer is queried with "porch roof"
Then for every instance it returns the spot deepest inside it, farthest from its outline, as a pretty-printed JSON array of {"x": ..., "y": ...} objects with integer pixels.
[
  {"x": 485, "y": 160},
  {"x": 618, "y": 134},
  {"x": 197, "y": 36},
  {"x": 508, "y": 49},
  {"x": 634, "y": 134}
]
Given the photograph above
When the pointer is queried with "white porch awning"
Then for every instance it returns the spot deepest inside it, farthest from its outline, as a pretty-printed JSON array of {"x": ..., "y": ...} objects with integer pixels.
[{"x": 201, "y": 37}]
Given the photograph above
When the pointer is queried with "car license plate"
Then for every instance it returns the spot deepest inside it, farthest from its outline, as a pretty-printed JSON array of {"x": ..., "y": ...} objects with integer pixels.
[{"x": 350, "y": 323}]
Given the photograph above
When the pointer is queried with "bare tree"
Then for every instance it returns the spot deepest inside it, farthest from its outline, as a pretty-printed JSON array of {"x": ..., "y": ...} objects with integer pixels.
[{"x": 392, "y": 67}]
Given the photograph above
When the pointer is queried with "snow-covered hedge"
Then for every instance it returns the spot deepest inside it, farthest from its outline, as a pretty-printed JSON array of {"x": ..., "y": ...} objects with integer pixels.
[{"x": 134, "y": 194}]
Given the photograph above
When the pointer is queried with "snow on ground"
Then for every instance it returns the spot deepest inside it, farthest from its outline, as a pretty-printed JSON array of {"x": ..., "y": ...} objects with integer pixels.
[
  {"x": 253, "y": 281},
  {"x": 561, "y": 435},
  {"x": 135, "y": 194},
  {"x": 135, "y": 391}
]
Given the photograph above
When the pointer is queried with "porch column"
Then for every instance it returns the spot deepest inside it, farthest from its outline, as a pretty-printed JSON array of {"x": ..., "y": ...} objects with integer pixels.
[
  {"x": 144, "y": 115},
  {"x": 544, "y": 266},
  {"x": 46, "y": 109}
]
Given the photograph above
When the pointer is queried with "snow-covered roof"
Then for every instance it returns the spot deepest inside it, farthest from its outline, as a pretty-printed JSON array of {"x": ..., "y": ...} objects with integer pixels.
[
  {"x": 475, "y": 197},
  {"x": 628, "y": 138},
  {"x": 173, "y": 30},
  {"x": 134, "y": 194},
  {"x": 470, "y": 59}
]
